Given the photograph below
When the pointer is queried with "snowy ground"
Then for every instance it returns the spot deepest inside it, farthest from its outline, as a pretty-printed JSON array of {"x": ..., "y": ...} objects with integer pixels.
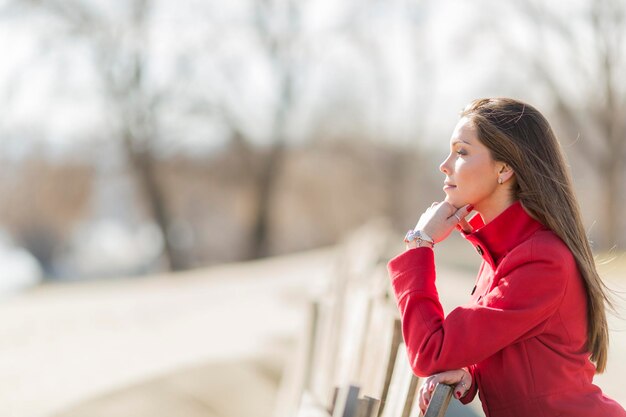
[{"x": 186, "y": 345}]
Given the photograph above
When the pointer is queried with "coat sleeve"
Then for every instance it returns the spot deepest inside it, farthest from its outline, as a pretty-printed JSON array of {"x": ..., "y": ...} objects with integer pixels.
[{"x": 516, "y": 308}]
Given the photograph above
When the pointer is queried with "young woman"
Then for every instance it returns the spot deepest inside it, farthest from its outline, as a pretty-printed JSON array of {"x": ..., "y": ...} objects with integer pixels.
[{"x": 535, "y": 331}]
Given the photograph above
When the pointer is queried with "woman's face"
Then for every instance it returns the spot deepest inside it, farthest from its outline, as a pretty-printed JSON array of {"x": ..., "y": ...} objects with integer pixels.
[{"x": 471, "y": 173}]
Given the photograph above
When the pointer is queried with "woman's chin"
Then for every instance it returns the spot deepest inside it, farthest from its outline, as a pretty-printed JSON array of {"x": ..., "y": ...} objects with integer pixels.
[{"x": 455, "y": 202}]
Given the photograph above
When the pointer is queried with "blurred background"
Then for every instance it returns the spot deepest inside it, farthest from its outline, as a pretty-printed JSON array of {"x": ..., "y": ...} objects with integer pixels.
[{"x": 149, "y": 138}]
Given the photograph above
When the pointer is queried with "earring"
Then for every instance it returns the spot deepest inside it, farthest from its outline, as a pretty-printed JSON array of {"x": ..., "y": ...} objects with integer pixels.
[{"x": 499, "y": 180}]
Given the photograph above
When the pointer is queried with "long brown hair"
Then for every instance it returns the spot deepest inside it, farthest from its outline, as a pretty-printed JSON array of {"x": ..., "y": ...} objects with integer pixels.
[{"x": 518, "y": 135}]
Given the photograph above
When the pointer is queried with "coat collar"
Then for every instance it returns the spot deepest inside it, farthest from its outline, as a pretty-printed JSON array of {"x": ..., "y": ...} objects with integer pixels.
[{"x": 498, "y": 237}]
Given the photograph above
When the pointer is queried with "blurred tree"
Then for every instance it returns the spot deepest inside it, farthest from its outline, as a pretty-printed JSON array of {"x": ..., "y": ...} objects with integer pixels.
[
  {"x": 44, "y": 204},
  {"x": 578, "y": 56},
  {"x": 283, "y": 47},
  {"x": 281, "y": 35},
  {"x": 274, "y": 29},
  {"x": 276, "y": 25},
  {"x": 119, "y": 49}
]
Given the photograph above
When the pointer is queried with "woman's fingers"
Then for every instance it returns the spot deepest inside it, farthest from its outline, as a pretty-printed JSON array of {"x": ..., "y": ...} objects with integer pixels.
[
  {"x": 459, "y": 218},
  {"x": 422, "y": 401},
  {"x": 464, "y": 226},
  {"x": 461, "y": 388},
  {"x": 433, "y": 383},
  {"x": 441, "y": 218},
  {"x": 425, "y": 392},
  {"x": 459, "y": 378},
  {"x": 459, "y": 215}
]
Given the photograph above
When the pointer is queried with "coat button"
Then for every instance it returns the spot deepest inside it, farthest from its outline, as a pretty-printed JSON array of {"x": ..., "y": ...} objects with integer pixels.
[{"x": 479, "y": 250}]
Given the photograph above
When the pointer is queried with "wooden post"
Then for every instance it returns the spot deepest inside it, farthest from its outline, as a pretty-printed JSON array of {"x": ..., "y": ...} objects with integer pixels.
[
  {"x": 298, "y": 372},
  {"x": 347, "y": 399},
  {"x": 395, "y": 345},
  {"x": 439, "y": 401},
  {"x": 367, "y": 407},
  {"x": 379, "y": 351},
  {"x": 402, "y": 387},
  {"x": 333, "y": 402},
  {"x": 311, "y": 343}
]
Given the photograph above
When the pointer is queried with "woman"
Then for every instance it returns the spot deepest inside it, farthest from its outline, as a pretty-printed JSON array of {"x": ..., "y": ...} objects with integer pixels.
[{"x": 535, "y": 331}]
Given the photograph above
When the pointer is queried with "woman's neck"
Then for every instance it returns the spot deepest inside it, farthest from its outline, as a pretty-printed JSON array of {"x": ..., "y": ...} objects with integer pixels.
[{"x": 493, "y": 209}]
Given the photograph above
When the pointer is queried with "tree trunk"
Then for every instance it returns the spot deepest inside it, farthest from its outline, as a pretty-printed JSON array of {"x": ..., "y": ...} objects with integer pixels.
[
  {"x": 266, "y": 180},
  {"x": 612, "y": 223},
  {"x": 143, "y": 165}
]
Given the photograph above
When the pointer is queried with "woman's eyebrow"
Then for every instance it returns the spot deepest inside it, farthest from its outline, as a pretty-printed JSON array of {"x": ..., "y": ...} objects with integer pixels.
[{"x": 456, "y": 142}]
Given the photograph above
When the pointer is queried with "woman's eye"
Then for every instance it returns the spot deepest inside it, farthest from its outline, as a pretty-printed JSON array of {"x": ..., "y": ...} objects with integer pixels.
[{"x": 460, "y": 152}]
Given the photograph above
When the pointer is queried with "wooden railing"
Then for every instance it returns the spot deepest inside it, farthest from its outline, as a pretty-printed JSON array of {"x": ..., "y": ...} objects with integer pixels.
[{"x": 351, "y": 360}]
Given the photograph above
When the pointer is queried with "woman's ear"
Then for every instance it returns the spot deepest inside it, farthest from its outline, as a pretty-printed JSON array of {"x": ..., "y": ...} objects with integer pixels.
[{"x": 505, "y": 173}]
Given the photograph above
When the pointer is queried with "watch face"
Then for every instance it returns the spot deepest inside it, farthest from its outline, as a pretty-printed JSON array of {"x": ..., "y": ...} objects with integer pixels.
[{"x": 418, "y": 236}]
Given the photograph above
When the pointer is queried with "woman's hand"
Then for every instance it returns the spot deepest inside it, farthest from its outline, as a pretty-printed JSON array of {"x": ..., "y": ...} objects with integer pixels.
[
  {"x": 460, "y": 378},
  {"x": 440, "y": 218}
]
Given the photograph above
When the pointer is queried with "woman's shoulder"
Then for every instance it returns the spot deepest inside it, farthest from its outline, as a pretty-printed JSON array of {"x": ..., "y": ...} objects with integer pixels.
[{"x": 542, "y": 247}]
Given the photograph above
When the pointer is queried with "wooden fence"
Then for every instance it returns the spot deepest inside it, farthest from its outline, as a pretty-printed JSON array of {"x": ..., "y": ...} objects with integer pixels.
[{"x": 351, "y": 360}]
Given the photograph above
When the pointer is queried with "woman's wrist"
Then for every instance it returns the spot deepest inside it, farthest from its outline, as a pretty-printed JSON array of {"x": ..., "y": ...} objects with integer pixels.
[
  {"x": 418, "y": 238},
  {"x": 419, "y": 244}
]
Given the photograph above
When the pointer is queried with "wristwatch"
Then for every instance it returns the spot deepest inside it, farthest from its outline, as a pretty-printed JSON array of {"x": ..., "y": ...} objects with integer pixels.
[{"x": 420, "y": 236}]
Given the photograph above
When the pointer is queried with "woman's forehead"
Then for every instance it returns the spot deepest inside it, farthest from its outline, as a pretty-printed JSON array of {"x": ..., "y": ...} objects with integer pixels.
[{"x": 464, "y": 132}]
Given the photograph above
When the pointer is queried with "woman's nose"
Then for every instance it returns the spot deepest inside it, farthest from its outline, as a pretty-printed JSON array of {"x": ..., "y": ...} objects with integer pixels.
[{"x": 444, "y": 167}]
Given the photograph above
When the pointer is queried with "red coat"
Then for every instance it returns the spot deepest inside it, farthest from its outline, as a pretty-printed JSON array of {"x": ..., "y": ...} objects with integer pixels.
[{"x": 523, "y": 332}]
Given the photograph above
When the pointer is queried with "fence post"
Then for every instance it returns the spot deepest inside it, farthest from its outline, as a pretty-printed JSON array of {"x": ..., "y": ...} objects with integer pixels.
[{"x": 439, "y": 401}]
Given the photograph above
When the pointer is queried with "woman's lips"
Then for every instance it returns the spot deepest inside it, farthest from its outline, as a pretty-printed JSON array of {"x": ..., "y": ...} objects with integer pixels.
[{"x": 448, "y": 187}]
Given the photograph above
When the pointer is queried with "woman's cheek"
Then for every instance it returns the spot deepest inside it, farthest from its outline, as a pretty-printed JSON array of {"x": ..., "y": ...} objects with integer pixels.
[{"x": 458, "y": 166}]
